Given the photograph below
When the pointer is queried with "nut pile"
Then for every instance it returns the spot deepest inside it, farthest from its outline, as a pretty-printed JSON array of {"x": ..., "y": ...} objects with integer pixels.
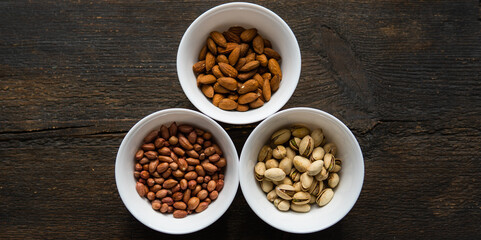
[
  {"x": 180, "y": 169},
  {"x": 238, "y": 69},
  {"x": 298, "y": 168}
]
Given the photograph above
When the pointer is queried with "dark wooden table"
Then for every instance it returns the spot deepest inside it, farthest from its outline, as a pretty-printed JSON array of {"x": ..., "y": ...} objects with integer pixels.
[{"x": 403, "y": 75}]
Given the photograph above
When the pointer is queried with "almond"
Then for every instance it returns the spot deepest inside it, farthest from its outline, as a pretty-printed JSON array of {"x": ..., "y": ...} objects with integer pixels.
[
  {"x": 267, "y": 44},
  {"x": 227, "y": 104},
  {"x": 233, "y": 97},
  {"x": 267, "y": 76},
  {"x": 248, "y": 34},
  {"x": 259, "y": 79},
  {"x": 199, "y": 67},
  {"x": 257, "y": 103},
  {"x": 262, "y": 58},
  {"x": 231, "y": 37},
  {"x": 216, "y": 99},
  {"x": 251, "y": 57},
  {"x": 237, "y": 30},
  {"x": 259, "y": 93},
  {"x": 275, "y": 82},
  {"x": 240, "y": 63},
  {"x": 219, "y": 89},
  {"x": 234, "y": 55},
  {"x": 247, "y": 98},
  {"x": 247, "y": 75},
  {"x": 216, "y": 71},
  {"x": 228, "y": 83},
  {"x": 249, "y": 66},
  {"x": 209, "y": 61},
  {"x": 248, "y": 86},
  {"x": 202, "y": 53},
  {"x": 222, "y": 59},
  {"x": 266, "y": 90},
  {"x": 244, "y": 49},
  {"x": 274, "y": 68},
  {"x": 208, "y": 90},
  {"x": 218, "y": 38},
  {"x": 258, "y": 44},
  {"x": 271, "y": 53},
  {"x": 228, "y": 70},
  {"x": 242, "y": 107},
  {"x": 198, "y": 79},
  {"x": 208, "y": 79},
  {"x": 211, "y": 46},
  {"x": 228, "y": 49}
]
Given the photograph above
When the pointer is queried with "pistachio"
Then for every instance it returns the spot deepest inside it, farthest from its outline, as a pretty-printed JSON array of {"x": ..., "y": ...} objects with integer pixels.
[
  {"x": 267, "y": 186},
  {"x": 279, "y": 152},
  {"x": 333, "y": 180},
  {"x": 285, "y": 191},
  {"x": 272, "y": 163},
  {"x": 301, "y": 198},
  {"x": 314, "y": 189},
  {"x": 277, "y": 201},
  {"x": 295, "y": 175},
  {"x": 301, "y": 163},
  {"x": 286, "y": 165},
  {"x": 312, "y": 199},
  {"x": 325, "y": 197},
  {"x": 329, "y": 162},
  {"x": 301, "y": 208},
  {"x": 299, "y": 131},
  {"x": 318, "y": 136},
  {"x": 259, "y": 170},
  {"x": 322, "y": 175},
  {"x": 306, "y": 146},
  {"x": 306, "y": 181},
  {"x": 284, "y": 205},
  {"x": 286, "y": 180},
  {"x": 297, "y": 186},
  {"x": 337, "y": 167},
  {"x": 265, "y": 153},
  {"x": 330, "y": 148},
  {"x": 281, "y": 136},
  {"x": 294, "y": 143},
  {"x": 290, "y": 153},
  {"x": 272, "y": 195},
  {"x": 317, "y": 154},
  {"x": 274, "y": 174},
  {"x": 315, "y": 168}
]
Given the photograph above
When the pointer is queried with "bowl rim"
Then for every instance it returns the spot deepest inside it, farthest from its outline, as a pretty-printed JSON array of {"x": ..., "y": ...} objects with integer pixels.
[
  {"x": 124, "y": 195},
  {"x": 243, "y": 159},
  {"x": 245, "y": 117}
]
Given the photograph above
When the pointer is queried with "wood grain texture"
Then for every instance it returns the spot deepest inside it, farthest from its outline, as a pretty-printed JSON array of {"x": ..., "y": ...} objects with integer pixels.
[{"x": 403, "y": 75}]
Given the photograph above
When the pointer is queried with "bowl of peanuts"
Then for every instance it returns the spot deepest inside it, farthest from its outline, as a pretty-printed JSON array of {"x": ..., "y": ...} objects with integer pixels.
[
  {"x": 176, "y": 171},
  {"x": 238, "y": 63}
]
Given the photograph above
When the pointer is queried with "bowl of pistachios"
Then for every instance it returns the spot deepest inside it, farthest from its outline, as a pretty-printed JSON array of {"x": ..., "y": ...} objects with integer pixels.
[{"x": 301, "y": 170}]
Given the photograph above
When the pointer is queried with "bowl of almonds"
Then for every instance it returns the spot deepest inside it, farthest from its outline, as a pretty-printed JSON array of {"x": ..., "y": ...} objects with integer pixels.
[
  {"x": 238, "y": 63},
  {"x": 301, "y": 170},
  {"x": 177, "y": 171}
]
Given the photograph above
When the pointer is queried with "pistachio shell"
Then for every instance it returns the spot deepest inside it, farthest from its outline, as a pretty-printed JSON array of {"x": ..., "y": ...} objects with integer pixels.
[
  {"x": 322, "y": 175},
  {"x": 267, "y": 186},
  {"x": 259, "y": 170},
  {"x": 312, "y": 199},
  {"x": 295, "y": 175},
  {"x": 315, "y": 168},
  {"x": 333, "y": 180},
  {"x": 301, "y": 163},
  {"x": 306, "y": 181},
  {"x": 294, "y": 143},
  {"x": 277, "y": 201},
  {"x": 286, "y": 165},
  {"x": 329, "y": 161},
  {"x": 272, "y": 163},
  {"x": 272, "y": 195},
  {"x": 299, "y": 131},
  {"x": 325, "y": 197},
  {"x": 286, "y": 180},
  {"x": 301, "y": 198},
  {"x": 314, "y": 189},
  {"x": 317, "y": 135},
  {"x": 306, "y": 146},
  {"x": 330, "y": 148},
  {"x": 297, "y": 186},
  {"x": 285, "y": 191},
  {"x": 290, "y": 153},
  {"x": 301, "y": 208},
  {"x": 317, "y": 154},
  {"x": 337, "y": 167},
  {"x": 274, "y": 174},
  {"x": 281, "y": 136},
  {"x": 264, "y": 154},
  {"x": 279, "y": 152},
  {"x": 284, "y": 205}
]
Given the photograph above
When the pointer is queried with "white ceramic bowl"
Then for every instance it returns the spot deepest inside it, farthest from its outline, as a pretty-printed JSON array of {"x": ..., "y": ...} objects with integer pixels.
[
  {"x": 140, "y": 207},
  {"x": 248, "y": 15},
  {"x": 351, "y": 174}
]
